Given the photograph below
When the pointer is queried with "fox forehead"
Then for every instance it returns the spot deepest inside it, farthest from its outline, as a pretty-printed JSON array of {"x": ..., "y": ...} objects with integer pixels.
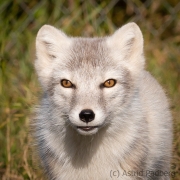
[
  {"x": 91, "y": 53},
  {"x": 87, "y": 58}
]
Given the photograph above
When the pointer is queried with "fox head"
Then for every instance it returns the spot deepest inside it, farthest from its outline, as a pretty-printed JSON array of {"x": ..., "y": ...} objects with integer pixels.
[{"x": 88, "y": 81}]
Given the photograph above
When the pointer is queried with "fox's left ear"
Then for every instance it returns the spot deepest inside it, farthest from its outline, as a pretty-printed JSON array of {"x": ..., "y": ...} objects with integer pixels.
[
  {"x": 126, "y": 45},
  {"x": 51, "y": 44}
]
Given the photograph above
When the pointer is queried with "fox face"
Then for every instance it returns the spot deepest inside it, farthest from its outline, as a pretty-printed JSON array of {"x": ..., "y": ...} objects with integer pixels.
[{"x": 89, "y": 80}]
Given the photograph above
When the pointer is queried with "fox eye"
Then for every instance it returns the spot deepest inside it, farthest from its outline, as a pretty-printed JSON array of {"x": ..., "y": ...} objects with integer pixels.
[
  {"x": 66, "y": 83},
  {"x": 109, "y": 83}
]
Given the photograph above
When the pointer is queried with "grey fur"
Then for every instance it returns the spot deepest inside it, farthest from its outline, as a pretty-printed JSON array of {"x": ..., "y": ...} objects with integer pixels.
[{"x": 134, "y": 122}]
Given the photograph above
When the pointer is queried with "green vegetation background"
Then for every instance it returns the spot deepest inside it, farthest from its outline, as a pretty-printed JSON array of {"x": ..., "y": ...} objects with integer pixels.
[{"x": 20, "y": 21}]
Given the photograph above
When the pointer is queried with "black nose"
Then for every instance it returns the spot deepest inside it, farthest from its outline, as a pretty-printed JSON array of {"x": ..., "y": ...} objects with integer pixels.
[{"x": 87, "y": 115}]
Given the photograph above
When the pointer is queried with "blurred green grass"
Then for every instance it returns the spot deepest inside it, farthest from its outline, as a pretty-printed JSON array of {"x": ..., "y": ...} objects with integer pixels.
[{"x": 19, "y": 22}]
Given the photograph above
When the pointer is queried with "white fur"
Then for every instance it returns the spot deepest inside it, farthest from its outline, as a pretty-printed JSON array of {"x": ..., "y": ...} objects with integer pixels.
[
  {"x": 46, "y": 55},
  {"x": 134, "y": 122}
]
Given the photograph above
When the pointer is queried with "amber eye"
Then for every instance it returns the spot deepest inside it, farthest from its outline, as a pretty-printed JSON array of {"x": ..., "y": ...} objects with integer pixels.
[
  {"x": 109, "y": 83},
  {"x": 66, "y": 83}
]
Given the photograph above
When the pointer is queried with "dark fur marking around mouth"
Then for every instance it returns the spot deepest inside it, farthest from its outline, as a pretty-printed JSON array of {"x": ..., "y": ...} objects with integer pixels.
[{"x": 87, "y": 128}]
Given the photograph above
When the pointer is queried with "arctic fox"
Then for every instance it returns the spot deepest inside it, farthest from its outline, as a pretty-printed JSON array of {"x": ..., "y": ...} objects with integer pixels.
[{"x": 102, "y": 115}]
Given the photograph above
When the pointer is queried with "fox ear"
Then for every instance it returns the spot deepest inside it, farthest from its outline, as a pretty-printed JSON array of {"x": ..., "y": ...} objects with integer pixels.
[
  {"x": 50, "y": 42},
  {"x": 127, "y": 45}
]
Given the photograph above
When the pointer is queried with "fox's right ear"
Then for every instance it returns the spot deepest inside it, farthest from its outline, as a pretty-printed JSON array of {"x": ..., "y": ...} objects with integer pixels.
[
  {"x": 127, "y": 46},
  {"x": 50, "y": 44}
]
